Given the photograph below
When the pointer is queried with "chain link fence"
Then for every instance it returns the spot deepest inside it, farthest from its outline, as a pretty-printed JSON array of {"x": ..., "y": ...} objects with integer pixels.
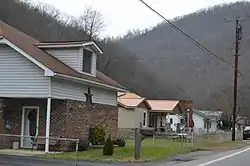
[
  {"x": 59, "y": 148},
  {"x": 196, "y": 140},
  {"x": 214, "y": 138}
]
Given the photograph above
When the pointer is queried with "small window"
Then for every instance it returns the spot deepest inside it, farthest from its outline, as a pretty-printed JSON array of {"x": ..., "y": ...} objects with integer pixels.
[
  {"x": 144, "y": 119},
  {"x": 209, "y": 125},
  {"x": 171, "y": 120},
  {"x": 182, "y": 121},
  {"x": 87, "y": 61},
  {"x": 205, "y": 124}
]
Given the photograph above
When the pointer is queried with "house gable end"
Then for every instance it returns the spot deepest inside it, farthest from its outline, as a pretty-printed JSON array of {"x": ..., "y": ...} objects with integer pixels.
[
  {"x": 19, "y": 76},
  {"x": 47, "y": 71}
]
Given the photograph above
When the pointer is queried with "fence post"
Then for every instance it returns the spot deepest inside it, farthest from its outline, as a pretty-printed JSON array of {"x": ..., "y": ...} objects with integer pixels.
[
  {"x": 137, "y": 142},
  {"x": 77, "y": 146},
  {"x": 192, "y": 139}
]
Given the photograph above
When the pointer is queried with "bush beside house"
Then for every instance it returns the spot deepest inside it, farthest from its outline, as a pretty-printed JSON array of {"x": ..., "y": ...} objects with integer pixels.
[{"x": 97, "y": 134}]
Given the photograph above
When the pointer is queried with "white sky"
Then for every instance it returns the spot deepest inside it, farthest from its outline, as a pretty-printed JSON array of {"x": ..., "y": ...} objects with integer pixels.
[{"x": 122, "y": 15}]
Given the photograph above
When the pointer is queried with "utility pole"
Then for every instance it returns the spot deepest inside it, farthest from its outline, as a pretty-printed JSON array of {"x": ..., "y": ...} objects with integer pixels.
[{"x": 238, "y": 36}]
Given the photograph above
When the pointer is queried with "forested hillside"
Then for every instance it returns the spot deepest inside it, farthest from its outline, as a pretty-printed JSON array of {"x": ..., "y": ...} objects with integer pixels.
[
  {"x": 45, "y": 23},
  {"x": 205, "y": 79},
  {"x": 158, "y": 63}
]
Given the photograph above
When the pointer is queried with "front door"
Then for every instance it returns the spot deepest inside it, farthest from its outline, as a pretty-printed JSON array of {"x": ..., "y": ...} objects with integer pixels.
[
  {"x": 30, "y": 121},
  {"x": 153, "y": 120}
]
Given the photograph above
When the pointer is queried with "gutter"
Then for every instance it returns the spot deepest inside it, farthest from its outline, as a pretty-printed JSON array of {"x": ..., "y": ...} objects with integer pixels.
[{"x": 81, "y": 80}]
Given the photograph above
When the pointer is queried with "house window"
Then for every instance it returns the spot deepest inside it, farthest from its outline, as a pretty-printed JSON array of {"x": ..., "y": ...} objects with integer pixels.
[
  {"x": 205, "y": 124},
  {"x": 161, "y": 122},
  {"x": 87, "y": 61},
  {"x": 209, "y": 125},
  {"x": 182, "y": 121},
  {"x": 171, "y": 120},
  {"x": 144, "y": 119}
]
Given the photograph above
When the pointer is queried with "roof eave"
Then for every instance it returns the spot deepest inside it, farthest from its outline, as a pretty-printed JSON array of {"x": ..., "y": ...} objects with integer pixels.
[
  {"x": 81, "y": 80},
  {"x": 125, "y": 106},
  {"x": 96, "y": 48}
]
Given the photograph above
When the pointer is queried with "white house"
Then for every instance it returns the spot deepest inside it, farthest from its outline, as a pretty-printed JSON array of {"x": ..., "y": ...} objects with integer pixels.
[
  {"x": 52, "y": 89},
  {"x": 164, "y": 112},
  {"x": 204, "y": 122},
  {"x": 173, "y": 120}
]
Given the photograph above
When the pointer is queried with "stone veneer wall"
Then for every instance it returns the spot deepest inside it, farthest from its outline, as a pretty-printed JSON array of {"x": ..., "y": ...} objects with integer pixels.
[
  {"x": 3, "y": 140},
  {"x": 81, "y": 116},
  {"x": 14, "y": 111},
  {"x": 69, "y": 118}
]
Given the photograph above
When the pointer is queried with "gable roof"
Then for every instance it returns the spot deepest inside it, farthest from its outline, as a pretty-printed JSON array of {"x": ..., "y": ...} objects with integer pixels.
[
  {"x": 128, "y": 95},
  {"x": 163, "y": 105},
  {"x": 28, "y": 45},
  {"x": 131, "y": 100},
  {"x": 216, "y": 114},
  {"x": 198, "y": 112},
  {"x": 67, "y": 44}
]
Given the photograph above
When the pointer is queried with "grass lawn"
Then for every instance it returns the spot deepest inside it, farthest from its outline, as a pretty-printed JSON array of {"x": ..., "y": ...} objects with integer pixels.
[{"x": 159, "y": 149}]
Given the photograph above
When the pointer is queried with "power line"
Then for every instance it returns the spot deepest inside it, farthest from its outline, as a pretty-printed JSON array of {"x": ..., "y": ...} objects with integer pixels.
[{"x": 194, "y": 41}]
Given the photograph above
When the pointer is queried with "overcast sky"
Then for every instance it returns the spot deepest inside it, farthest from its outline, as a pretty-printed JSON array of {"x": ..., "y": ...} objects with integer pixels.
[{"x": 122, "y": 15}]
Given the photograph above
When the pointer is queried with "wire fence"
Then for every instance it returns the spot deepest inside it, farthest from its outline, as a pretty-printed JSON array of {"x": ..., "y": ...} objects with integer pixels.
[
  {"x": 59, "y": 148},
  {"x": 68, "y": 149},
  {"x": 196, "y": 140}
]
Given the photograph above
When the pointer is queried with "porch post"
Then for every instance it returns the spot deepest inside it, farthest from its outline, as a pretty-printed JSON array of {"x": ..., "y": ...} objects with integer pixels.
[{"x": 47, "y": 125}]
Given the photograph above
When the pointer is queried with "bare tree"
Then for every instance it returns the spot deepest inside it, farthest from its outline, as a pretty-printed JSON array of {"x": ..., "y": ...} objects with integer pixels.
[
  {"x": 224, "y": 100},
  {"x": 91, "y": 21}
]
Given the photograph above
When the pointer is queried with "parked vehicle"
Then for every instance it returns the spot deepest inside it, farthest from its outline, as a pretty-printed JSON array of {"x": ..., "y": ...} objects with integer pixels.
[{"x": 246, "y": 133}]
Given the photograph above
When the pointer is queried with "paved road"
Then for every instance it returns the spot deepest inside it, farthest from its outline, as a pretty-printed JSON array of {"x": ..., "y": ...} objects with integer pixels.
[{"x": 240, "y": 157}]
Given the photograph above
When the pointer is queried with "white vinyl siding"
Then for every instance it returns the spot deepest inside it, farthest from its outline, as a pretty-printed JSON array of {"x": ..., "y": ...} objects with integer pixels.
[
  {"x": 94, "y": 60},
  {"x": 69, "y": 56},
  {"x": 19, "y": 77},
  {"x": 73, "y": 57},
  {"x": 63, "y": 89}
]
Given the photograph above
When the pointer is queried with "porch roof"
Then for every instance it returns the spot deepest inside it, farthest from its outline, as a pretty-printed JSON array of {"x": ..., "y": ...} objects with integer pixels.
[
  {"x": 163, "y": 105},
  {"x": 131, "y": 100}
]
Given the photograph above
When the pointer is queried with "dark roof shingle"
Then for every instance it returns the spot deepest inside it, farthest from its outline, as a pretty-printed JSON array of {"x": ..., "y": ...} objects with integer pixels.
[{"x": 28, "y": 45}]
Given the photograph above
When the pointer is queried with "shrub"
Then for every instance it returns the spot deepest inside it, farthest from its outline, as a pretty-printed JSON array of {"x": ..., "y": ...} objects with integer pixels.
[
  {"x": 120, "y": 142},
  {"x": 108, "y": 148},
  {"x": 97, "y": 135}
]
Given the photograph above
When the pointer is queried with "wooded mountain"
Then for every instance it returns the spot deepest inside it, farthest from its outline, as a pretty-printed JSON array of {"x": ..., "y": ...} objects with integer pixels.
[
  {"x": 45, "y": 23},
  {"x": 159, "y": 63},
  {"x": 176, "y": 60}
]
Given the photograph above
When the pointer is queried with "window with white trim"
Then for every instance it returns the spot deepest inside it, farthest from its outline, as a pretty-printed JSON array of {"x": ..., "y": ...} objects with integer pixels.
[
  {"x": 144, "y": 119},
  {"x": 87, "y": 61},
  {"x": 171, "y": 120}
]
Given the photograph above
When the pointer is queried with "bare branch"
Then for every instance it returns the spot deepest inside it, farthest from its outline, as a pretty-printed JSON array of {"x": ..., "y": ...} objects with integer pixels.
[{"x": 91, "y": 21}]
